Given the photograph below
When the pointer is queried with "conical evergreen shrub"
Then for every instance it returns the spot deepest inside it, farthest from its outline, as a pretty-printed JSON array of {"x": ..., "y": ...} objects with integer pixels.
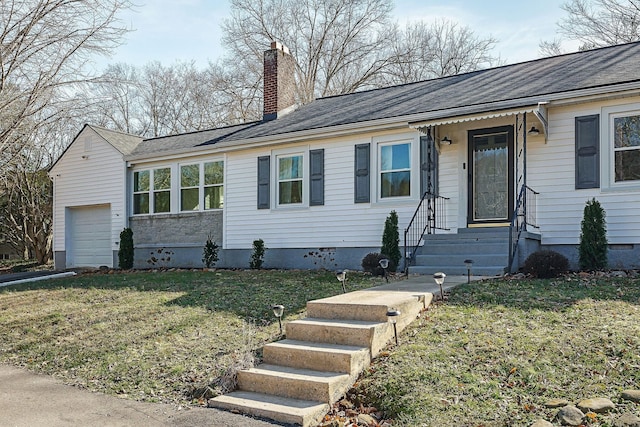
[
  {"x": 593, "y": 237},
  {"x": 391, "y": 240}
]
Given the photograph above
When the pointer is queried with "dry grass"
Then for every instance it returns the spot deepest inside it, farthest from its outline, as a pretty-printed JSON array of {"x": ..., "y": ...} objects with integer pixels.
[
  {"x": 498, "y": 350},
  {"x": 164, "y": 337}
]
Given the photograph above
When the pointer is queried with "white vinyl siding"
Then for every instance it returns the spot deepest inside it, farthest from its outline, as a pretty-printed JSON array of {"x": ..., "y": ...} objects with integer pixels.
[
  {"x": 338, "y": 223},
  {"x": 98, "y": 178},
  {"x": 551, "y": 171}
]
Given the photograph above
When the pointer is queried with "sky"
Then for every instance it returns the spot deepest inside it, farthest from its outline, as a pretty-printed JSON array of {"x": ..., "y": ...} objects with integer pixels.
[{"x": 185, "y": 30}]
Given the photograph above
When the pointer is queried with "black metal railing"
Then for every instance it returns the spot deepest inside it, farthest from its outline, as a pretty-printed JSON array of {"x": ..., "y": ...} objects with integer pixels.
[
  {"x": 429, "y": 215},
  {"x": 524, "y": 214}
]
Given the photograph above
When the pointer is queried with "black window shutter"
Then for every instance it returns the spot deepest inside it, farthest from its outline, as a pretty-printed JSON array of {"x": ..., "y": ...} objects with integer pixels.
[
  {"x": 428, "y": 165},
  {"x": 316, "y": 177},
  {"x": 588, "y": 151},
  {"x": 362, "y": 179},
  {"x": 264, "y": 173}
]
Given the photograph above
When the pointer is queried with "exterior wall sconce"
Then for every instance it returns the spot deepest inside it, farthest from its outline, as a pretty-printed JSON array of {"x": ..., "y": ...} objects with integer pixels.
[
  {"x": 278, "y": 311},
  {"x": 445, "y": 141},
  {"x": 392, "y": 314},
  {"x": 342, "y": 277},
  {"x": 439, "y": 278},
  {"x": 468, "y": 263},
  {"x": 384, "y": 263},
  {"x": 533, "y": 131}
]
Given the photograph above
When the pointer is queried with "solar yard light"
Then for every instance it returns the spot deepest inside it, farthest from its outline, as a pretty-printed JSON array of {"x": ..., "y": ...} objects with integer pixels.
[
  {"x": 439, "y": 278},
  {"x": 342, "y": 277},
  {"x": 468, "y": 263},
  {"x": 392, "y": 314},
  {"x": 278, "y": 311},
  {"x": 384, "y": 263}
]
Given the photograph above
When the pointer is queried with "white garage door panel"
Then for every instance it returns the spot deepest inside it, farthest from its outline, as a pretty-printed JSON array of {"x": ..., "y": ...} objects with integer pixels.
[{"x": 90, "y": 237}]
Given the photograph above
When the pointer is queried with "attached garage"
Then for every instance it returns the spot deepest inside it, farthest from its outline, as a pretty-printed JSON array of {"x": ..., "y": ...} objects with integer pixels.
[{"x": 89, "y": 236}]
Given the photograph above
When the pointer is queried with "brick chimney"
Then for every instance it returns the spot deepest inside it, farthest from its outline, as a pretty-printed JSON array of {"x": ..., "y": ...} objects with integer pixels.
[{"x": 279, "y": 84}]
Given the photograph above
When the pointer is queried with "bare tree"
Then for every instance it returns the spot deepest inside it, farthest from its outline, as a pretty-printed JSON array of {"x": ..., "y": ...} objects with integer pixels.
[
  {"x": 44, "y": 46},
  {"x": 442, "y": 48},
  {"x": 597, "y": 23}
]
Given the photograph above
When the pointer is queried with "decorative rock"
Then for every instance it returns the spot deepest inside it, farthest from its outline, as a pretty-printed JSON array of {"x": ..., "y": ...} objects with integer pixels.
[
  {"x": 556, "y": 403},
  {"x": 598, "y": 405},
  {"x": 627, "y": 420},
  {"x": 542, "y": 423},
  {"x": 618, "y": 273},
  {"x": 570, "y": 416},
  {"x": 632, "y": 395},
  {"x": 366, "y": 420}
]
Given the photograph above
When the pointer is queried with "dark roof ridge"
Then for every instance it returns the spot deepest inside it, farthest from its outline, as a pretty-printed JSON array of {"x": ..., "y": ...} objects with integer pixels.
[{"x": 203, "y": 130}]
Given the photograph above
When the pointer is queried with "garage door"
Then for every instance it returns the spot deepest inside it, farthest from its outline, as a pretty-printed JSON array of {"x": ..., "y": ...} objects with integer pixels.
[{"x": 89, "y": 237}]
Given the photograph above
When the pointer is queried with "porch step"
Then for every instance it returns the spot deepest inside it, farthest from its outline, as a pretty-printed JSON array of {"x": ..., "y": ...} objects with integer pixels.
[
  {"x": 295, "y": 383},
  {"x": 282, "y": 409},
  {"x": 316, "y": 356},
  {"x": 488, "y": 247}
]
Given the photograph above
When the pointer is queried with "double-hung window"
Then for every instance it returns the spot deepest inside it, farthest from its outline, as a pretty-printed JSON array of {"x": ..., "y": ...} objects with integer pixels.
[
  {"x": 190, "y": 187},
  {"x": 141, "y": 189},
  {"x": 626, "y": 147},
  {"x": 290, "y": 179},
  {"x": 214, "y": 185},
  {"x": 395, "y": 170},
  {"x": 162, "y": 190}
]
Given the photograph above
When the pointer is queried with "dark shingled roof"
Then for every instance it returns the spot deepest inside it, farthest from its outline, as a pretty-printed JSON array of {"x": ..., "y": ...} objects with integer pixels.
[
  {"x": 123, "y": 142},
  {"x": 509, "y": 86}
]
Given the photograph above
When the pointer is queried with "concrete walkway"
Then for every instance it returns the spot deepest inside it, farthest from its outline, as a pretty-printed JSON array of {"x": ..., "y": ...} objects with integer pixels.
[{"x": 28, "y": 399}]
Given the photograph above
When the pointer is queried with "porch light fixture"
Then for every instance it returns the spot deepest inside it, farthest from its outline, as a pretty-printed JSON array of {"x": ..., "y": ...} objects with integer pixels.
[
  {"x": 533, "y": 131},
  {"x": 392, "y": 314},
  {"x": 278, "y": 311},
  {"x": 468, "y": 263},
  {"x": 342, "y": 277},
  {"x": 439, "y": 278},
  {"x": 384, "y": 263},
  {"x": 445, "y": 141}
]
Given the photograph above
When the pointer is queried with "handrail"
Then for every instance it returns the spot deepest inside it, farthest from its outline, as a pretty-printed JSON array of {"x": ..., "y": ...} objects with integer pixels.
[
  {"x": 524, "y": 214},
  {"x": 429, "y": 215}
]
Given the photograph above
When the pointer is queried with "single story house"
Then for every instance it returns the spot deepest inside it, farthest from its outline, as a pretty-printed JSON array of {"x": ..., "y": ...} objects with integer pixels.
[{"x": 489, "y": 165}]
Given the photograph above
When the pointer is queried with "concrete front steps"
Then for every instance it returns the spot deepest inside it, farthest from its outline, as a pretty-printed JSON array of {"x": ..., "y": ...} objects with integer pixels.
[
  {"x": 488, "y": 247},
  {"x": 322, "y": 356}
]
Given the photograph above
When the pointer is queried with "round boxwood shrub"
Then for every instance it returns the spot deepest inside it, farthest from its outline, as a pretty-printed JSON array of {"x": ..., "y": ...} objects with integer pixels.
[
  {"x": 371, "y": 264},
  {"x": 546, "y": 264}
]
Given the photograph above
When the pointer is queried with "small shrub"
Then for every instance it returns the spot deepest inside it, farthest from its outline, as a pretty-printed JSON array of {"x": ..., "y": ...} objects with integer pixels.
[
  {"x": 125, "y": 252},
  {"x": 257, "y": 256},
  {"x": 546, "y": 264},
  {"x": 210, "y": 253},
  {"x": 391, "y": 241},
  {"x": 593, "y": 237},
  {"x": 371, "y": 264}
]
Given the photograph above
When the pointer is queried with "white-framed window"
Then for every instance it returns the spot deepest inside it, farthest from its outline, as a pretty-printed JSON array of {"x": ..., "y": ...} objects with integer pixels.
[
  {"x": 190, "y": 187},
  {"x": 290, "y": 174},
  {"x": 214, "y": 185},
  {"x": 626, "y": 146},
  {"x": 152, "y": 191},
  {"x": 394, "y": 169},
  {"x": 620, "y": 147},
  {"x": 141, "y": 192},
  {"x": 162, "y": 190}
]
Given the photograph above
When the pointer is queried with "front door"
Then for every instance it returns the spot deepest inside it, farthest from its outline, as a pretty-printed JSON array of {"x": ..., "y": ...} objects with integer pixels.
[{"x": 490, "y": 200}]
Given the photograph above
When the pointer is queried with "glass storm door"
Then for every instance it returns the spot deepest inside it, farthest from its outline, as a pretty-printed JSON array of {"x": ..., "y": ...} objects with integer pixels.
[{"x": 490, "y": 175}]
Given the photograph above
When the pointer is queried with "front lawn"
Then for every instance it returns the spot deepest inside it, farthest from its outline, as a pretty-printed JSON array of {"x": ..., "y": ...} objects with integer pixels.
[
  {"x": 161, "y": 336},
  {"x": 497, "y": 351}
]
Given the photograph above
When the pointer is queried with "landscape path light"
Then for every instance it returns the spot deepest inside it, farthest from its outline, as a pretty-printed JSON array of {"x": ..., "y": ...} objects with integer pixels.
[
  {"x": 468, "y": 263},
  {"x": 342, "y": 277},
  {"x": 278, "y": 311},
  {"x": 439, "y": 278},
  {"x": 384, "y": 263},
  {"x": 392, "y": 315}
]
